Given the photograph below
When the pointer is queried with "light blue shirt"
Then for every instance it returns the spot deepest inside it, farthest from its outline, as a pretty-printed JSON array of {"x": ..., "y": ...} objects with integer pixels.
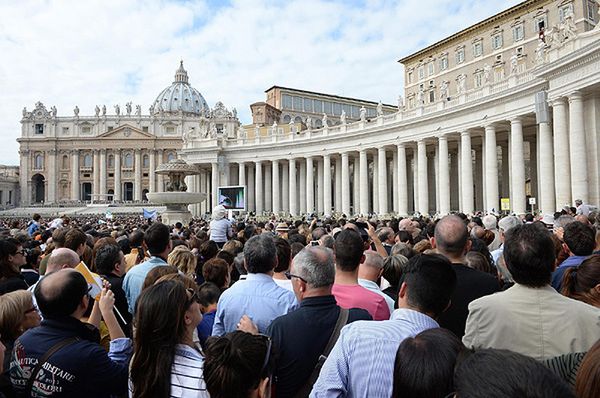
[
  {"x": 134, "y": 280},
  {"x": 361, "y": 363},
  {"x": 259, "y": 297}
]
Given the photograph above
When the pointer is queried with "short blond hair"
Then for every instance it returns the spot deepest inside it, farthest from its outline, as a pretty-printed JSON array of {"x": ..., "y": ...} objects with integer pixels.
[
  {"x": 182, "y": 258},
  {"x": 13, "y": 306}
]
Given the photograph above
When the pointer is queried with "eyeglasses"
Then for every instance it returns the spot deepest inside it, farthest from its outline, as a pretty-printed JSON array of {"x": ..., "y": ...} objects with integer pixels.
[
  {"x": 289, "y": 275},
  {"x": 269, "y": 344}
]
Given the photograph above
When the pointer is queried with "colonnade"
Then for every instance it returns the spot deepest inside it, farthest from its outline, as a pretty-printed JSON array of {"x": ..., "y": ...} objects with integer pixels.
[{"x": 468, "y": 171}]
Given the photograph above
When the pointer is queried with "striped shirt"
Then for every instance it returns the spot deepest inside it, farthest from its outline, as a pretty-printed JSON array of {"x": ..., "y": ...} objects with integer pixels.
[
  {"x": 187, "y": 380},
  {"x": 361, "y": 363}
]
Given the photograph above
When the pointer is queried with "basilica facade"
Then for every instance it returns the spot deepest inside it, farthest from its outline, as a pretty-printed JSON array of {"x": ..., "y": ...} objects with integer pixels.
[{"x": 503, "y": 112}]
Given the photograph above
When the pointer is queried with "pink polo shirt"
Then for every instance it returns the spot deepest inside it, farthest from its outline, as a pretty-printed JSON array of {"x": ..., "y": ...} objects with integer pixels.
[{"x": 356, "y": 296}]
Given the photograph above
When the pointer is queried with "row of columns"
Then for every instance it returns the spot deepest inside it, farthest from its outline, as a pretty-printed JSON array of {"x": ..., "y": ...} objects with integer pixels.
[{"x": 373, "y": 181}]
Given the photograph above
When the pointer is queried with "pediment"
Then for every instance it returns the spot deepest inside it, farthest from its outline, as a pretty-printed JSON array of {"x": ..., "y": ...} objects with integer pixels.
[{"x": 126, "y": 131}]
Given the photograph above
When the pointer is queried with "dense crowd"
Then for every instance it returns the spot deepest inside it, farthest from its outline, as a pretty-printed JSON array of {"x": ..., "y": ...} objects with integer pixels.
[{"x": 479, "y": 306}]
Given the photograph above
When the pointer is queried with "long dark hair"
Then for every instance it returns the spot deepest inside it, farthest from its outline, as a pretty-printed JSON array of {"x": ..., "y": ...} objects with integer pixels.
[{"x": 159, "y": 324}]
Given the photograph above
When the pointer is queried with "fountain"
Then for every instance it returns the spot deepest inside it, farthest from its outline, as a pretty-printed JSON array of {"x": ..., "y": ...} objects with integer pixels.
[{"x": 176, "y": 198}]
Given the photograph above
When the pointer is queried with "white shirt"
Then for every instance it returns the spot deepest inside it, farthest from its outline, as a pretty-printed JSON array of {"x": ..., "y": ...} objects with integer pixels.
[{"x": 372, "y": 286}]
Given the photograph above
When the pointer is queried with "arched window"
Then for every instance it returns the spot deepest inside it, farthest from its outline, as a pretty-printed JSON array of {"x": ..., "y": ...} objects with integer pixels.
[
  {"x": 170, "y": 156},
  {"x": 287, "y": 119},
  {"x": 128, "y": 160},
  {"x": 146, "y": 161},
  {"x": 87, "y": 160},
  {"x": 65, "y": 162},
  {"x": 297, "y": 119},
  {"x": 38, "y": 161}
]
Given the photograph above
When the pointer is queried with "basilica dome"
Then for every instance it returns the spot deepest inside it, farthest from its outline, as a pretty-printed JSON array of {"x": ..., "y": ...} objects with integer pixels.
[{"x": 180, "y": 96}]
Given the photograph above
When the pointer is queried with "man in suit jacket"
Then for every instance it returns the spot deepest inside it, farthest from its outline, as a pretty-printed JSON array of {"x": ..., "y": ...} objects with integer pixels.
[
  {"x": 531, "y": 317},
  {"x": 451, "y": 239}
]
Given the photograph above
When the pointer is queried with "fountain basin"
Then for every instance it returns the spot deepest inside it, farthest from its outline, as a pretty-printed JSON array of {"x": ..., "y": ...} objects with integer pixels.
[{"x": 176, "y": 198}]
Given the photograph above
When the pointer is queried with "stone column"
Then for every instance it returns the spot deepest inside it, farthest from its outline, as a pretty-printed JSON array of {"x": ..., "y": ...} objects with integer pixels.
[
  {"x": 505, "y": 172},
  {"x": 423, "y": 204},
  {"x": 118, "y": 196},
  {"x": 517, "y": 166},
  {"x": 241, "y": 174},
  {"x": 310, "y": 185},
  {"x": 302, "y": 185},
  {"x": 102, "y": 174},
  {"x": 345, "y": 184},
  {"x": 338, "y": 185},
  {"x": 285, "y": 188},
  {"x": 375, "y": 184},
  {"x": 160, "y": 178},
  {"x": 137, "y": 189},
  {"x": 562, "y": 161},
  {"x": 444, "y": 173},
  {"x": 546, "y": 171},
  {"x": 577, "y": 149},
  {"x": 152, "y": 174},
  {"x": 327, "y": 206},
  {"x": 382, "y": 183},
  {"x": 293, "y": 190},
  {"x": 491, "y": 169},
  {"x": 466, "y": 168},
  {"x": 276, "y": 188},
  {"x": 251, "y": 200},
  {"x": 96, "y": 174},
  {"x": 268, "y": 188},
  {"x": 52, "y": 179},
  {"x": 214, "y": 184},
  {"x": 24, "y": 176},
  {"x": 75, "y": 195},
  {"x": 402, "y": 181},
  {"x": 394, "y": 181},
  {"x": 364, "y": 182},
  {"x": 258, "y": 187},
  {"x": 356, "y": 184},
  {"x": 320, "y": 184}
]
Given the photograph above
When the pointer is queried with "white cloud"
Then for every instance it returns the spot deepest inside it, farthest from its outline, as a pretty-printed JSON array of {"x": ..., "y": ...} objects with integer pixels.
[{"x": 68, "y": 53}]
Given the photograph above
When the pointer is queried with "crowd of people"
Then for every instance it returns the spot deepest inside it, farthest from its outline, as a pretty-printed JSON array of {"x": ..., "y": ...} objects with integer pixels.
[{"x": 455, "y": 306}]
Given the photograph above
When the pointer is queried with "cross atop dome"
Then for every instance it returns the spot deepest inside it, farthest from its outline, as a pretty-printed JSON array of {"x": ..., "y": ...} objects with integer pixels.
[{"x": 181, "y": 75}]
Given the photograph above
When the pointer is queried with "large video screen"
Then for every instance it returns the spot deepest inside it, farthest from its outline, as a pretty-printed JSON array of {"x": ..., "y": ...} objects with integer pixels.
[{"x": 233, "y": 197}]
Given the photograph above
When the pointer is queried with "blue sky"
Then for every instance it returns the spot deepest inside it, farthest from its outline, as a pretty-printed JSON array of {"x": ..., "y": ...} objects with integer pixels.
[{"x": 94, "y": 52}]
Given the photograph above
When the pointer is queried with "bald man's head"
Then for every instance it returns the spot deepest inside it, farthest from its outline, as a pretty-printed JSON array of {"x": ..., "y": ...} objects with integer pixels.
[
  {"x": 451, "y": 236},
  {"x": 59, "y": 294},
  {"x": 62, "y": 258}
]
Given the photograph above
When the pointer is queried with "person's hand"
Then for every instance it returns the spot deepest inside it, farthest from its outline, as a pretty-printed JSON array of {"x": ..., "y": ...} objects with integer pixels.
[
  {"x": 371, "y": 231},
  {"x": 246, "y": 325},
  {"x": 107, "y": 301},
  {"x": 559, "y": 232}
]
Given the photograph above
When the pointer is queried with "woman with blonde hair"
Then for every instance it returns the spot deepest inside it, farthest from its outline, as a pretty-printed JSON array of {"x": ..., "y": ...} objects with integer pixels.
[
  {"x": 17, "y": 314},
  {"x": 185, "y": 261}
]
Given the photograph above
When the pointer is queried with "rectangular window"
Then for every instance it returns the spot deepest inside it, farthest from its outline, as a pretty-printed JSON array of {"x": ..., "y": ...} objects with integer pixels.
[
  {"x": 327, "y": 107},
  {"x": 65, "y": 131},
  {"x": 431, "y": 96},
  {"x": 355, "y": 111},
  {"x": 592, "y": 10},
  {"x": 371, "y": 112},
  {"x": 444, "y": 63},
  {"x": 421, "y": 72},
  {"x": 39, "y": 129},
  {"x": 347, "y": 109},
  {"x": 297, "y": 103},
  {"x": 430, "y": 68},
  {"x": 518, "y": 32},
  {"x": 10, "y": 197},
  {"x": 564, "y": 11},
  {"x": 478, "y": 79},
  {"x": 497, "y": 41},
  {"x": 110, "y": 128},
  {"x": 337, "y": 108},
  {"x": 219, "y": 128},
  {"x": 86, "y": 129},
  {"x": 111, "y": 174},
  {"x": 410, "y": 77},
  {"x": 286, "y": 101},
  {"x": 460, "y": 56},
  {"x": 145, "y": 129},
  {"x": 318, "y": 106},
  {"x": 478, "y": 49},
  {"x": 540, "y": 23},
  {"x": 308, "y": 105},
  {"x": 170, "y": 130}
]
